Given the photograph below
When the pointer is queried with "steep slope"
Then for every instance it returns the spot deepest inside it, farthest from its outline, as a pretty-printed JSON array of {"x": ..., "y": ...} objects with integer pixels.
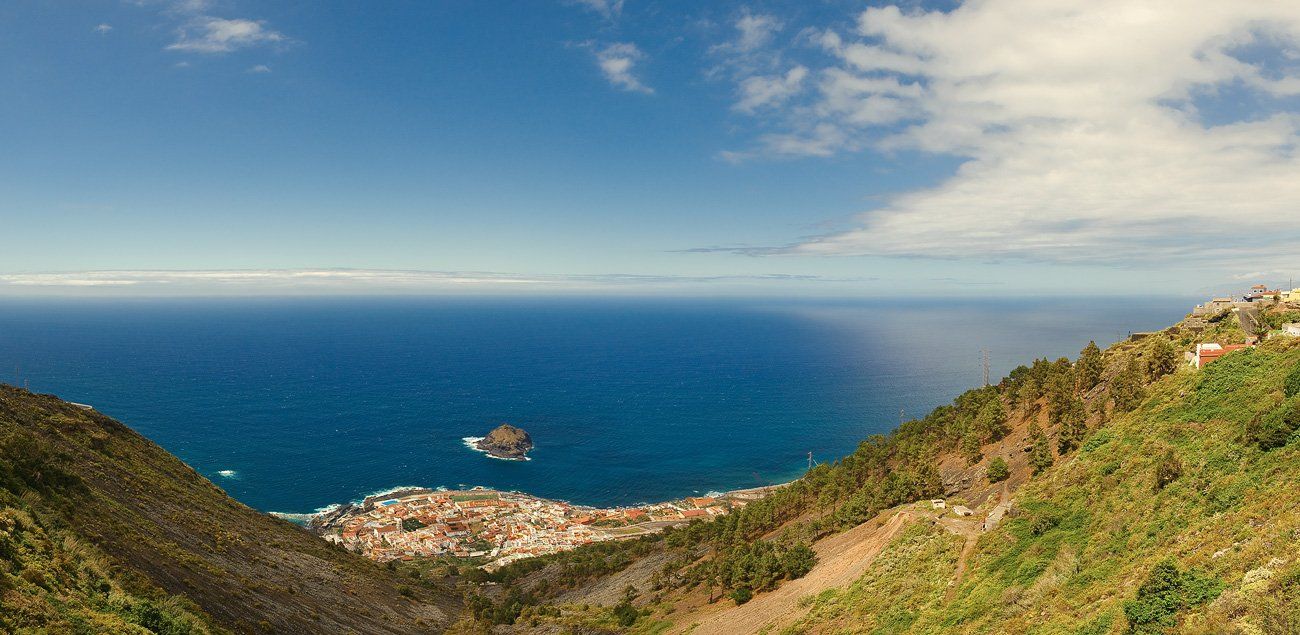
[
  {"x": 100, "y": 526},
  {"x": 1182, "y": 515},
  {"x": 1186, "y": 479}
]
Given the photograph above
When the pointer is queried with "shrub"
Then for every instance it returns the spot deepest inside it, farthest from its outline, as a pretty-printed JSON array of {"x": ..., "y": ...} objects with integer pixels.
[
  {"x": 1292, "y": 385},
  {"x": 798, "y": 560},
  {"x": 1278, "y": 610},
  {"x": 741, "y": 595},
  {"x": 1164, "y": 593},
  {"x": 998, "y": 470},
  {"x": 1273, "y": 429},
  {"x": 1168, "y": 469}
]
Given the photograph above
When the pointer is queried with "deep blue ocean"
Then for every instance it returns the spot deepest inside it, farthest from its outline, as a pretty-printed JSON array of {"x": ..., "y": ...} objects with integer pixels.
[{"x": 308, "y": 402}]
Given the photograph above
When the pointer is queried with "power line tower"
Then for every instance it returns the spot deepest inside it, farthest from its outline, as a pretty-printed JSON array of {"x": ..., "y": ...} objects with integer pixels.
[
  {"x": 984, "y": 352},
  {"x": 810, "y": 461}
]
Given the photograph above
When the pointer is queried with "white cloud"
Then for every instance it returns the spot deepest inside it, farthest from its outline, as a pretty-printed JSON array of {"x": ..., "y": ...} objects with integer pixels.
[
  {"x": 755, "y": 62},
  {"x": 324, "y": 281},
  {"x": 759, "y": 91},
  {"x": 609, "y": 9},
  {"x": 1078, "y": 124},
  {"x": 755, "y": 31},
  {"x": 260, "y": 68},
  {"x": 749, "y": 51},
  {"x": 103, "y": 29},
  {"x": 822, "y": 140},
  {"x": 617, "y": 62},
  {"x": 207, "y": 34}
]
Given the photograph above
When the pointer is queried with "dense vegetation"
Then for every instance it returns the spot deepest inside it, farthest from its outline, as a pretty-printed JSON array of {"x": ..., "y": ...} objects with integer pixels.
[{"x": 1170, "y": 518}]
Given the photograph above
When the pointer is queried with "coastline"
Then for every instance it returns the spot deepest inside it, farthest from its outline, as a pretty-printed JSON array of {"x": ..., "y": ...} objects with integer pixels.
[
  {"x": 389, "y": 492},
  {"x": 491, "y": 528}
]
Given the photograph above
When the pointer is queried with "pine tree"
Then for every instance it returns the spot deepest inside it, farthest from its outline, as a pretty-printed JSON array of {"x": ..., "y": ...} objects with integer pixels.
[
  {"x": 1089, "y": 367},
  {"x": 1060, "y": 392},
  {"x": 1028, "y": 395},
  {"x": 1127, "y": 389},
  {"x": 991, "y": 424},
  {"x": 1100, "y": 408},
  {"x": 1040, "y": 454},
  {"x": 1074, "y": 425},
  {"x": 970, "y": 448},
  {"x": 1164, "y": 359}
]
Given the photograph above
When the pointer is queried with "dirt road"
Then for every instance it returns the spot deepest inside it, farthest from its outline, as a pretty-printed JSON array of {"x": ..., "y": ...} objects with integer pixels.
[{"x": 841, "y": 560}]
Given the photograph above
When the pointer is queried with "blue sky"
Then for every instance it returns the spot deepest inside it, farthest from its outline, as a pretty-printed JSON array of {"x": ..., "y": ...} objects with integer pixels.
[{"x": 827, "y": 148}]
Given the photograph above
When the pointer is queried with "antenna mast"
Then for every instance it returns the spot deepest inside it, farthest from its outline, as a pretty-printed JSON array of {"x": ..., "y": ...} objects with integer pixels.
[{"x": 985, "y": 353}]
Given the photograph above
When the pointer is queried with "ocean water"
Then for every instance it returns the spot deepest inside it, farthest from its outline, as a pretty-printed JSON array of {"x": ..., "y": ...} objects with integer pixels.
[{"x": 295, "y": 404}]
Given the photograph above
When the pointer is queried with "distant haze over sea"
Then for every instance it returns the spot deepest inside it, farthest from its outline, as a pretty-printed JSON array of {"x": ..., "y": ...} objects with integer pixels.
[{"x": 294, "y": 404}]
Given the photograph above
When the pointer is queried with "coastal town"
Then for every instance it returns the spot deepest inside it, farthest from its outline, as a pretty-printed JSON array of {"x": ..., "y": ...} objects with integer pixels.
[
  {"x": 494, "y": 528},
  {"x": 1251, "y": 311}
]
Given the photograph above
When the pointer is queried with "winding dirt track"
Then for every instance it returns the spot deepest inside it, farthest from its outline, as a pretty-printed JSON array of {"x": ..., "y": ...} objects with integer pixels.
[{"x": 841, "y": 560}]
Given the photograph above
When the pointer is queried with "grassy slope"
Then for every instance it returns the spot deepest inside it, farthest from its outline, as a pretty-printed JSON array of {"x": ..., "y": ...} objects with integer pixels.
[
  {"x": 1092, "y": 528},
  {"x": 112, "y": 520}
]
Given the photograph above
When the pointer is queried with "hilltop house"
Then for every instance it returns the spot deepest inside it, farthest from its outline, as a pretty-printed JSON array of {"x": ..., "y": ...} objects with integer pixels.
[
  {"x": 1206, "y": 353},
  {"x": 1261, "y": 292}
]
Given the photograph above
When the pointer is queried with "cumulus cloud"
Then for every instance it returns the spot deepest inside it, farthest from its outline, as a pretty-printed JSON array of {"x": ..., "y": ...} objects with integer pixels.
[
  {"x": 753, "y": 32},
  {"x": 1081, "y": 127},
  {"x": 208, "y": 34},
  {"x": 759, "y": 91},
  {"x": 608, "y": 9},
  {"x": 749, "y": 49},
  {"x": 103, "y": 29},
  {"x": 617, "y": 62},
  {"x": 260, "y": 68}
]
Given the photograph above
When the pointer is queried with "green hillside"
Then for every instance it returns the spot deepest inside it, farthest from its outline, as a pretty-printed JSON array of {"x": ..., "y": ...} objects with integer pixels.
[
  {"x": 101, "y": 531},
  {"x": 1183, "y": 515}
]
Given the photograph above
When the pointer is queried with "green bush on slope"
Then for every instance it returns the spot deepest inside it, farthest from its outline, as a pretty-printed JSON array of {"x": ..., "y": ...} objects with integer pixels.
[
  {"x": 1165, "y": 593},
  {"x": 1291, "y": 387},
  {"x": 998, "y": 470}
]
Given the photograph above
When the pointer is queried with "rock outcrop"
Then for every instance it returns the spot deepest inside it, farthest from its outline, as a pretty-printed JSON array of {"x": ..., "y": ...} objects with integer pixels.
[{"x": 506, "y": 442}]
